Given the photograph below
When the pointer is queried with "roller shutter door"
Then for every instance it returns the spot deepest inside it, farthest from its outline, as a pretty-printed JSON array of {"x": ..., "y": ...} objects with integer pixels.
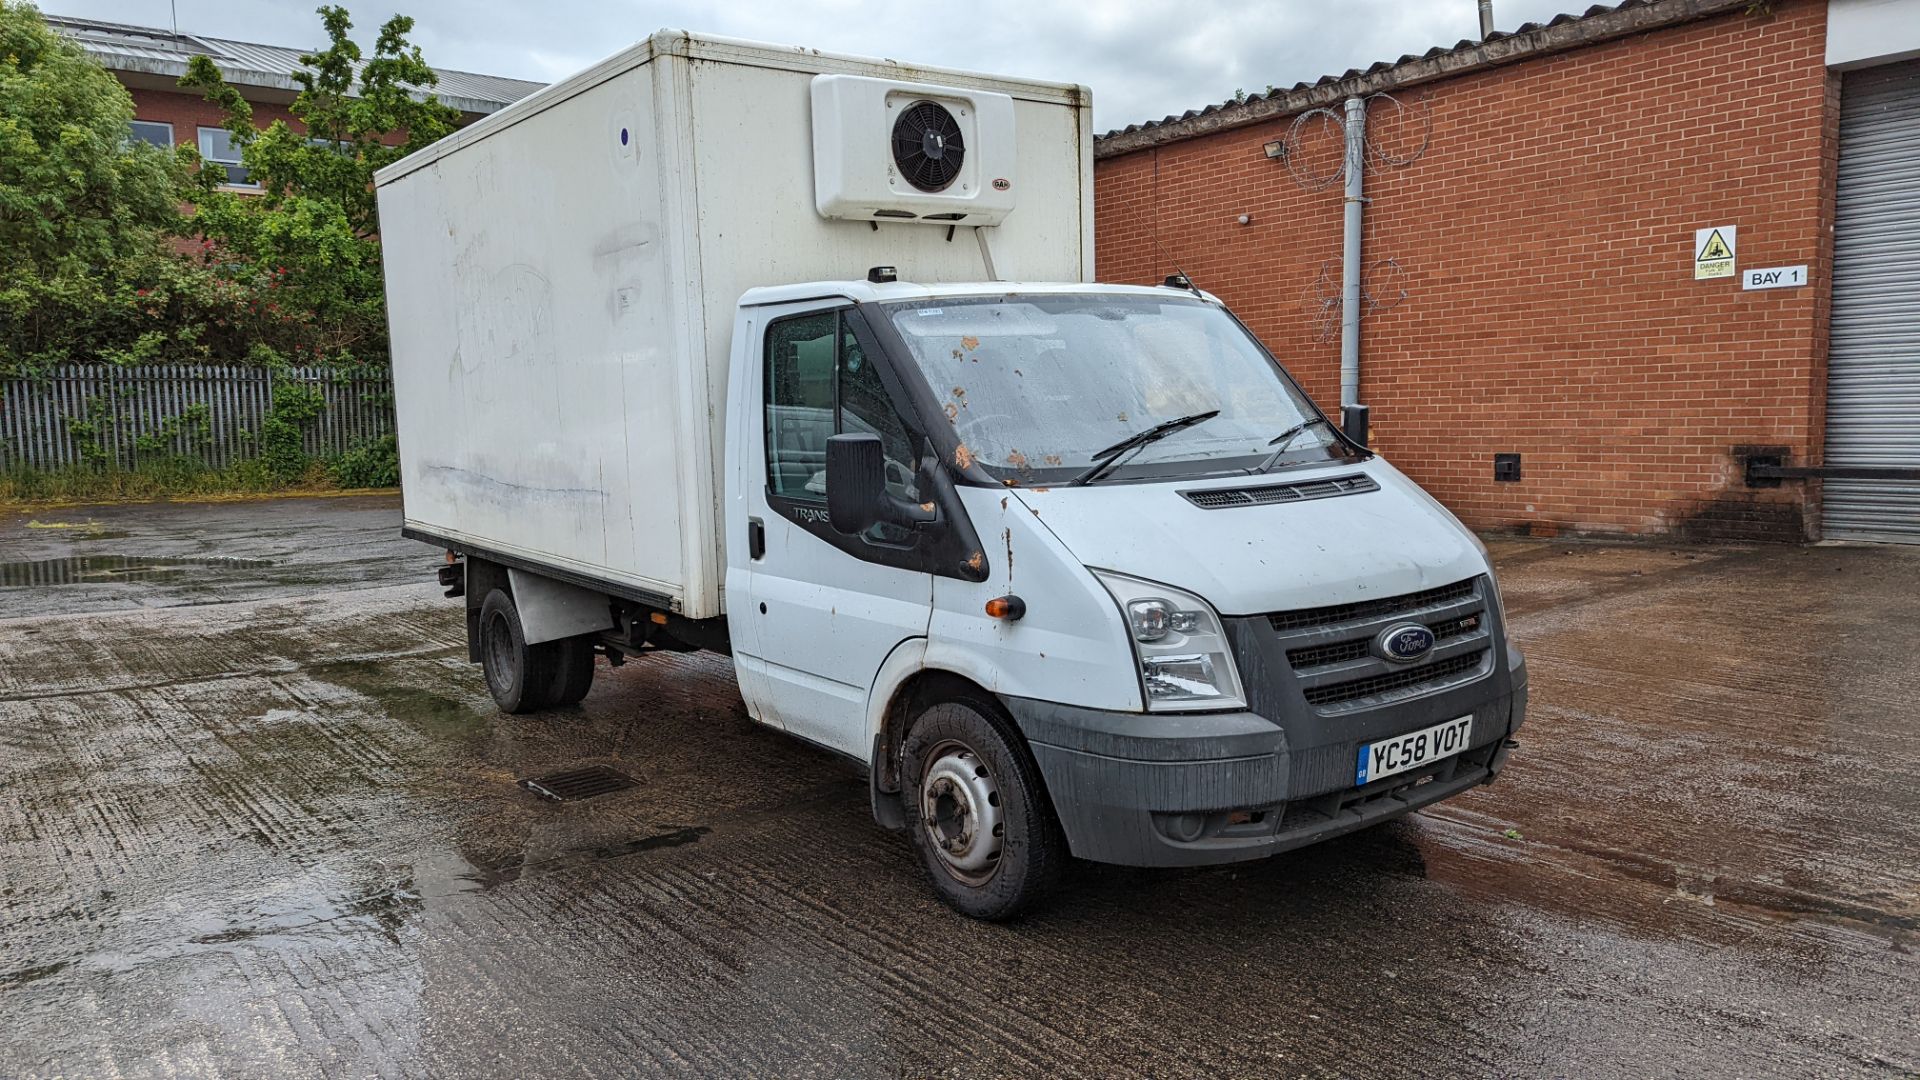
[{"x": 1873, "y": 368}]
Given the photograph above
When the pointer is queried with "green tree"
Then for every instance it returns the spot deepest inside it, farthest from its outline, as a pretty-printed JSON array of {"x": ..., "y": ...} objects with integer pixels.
[
  {"x": 311, "y": 235},
  {"x": 83, "y": 209}
]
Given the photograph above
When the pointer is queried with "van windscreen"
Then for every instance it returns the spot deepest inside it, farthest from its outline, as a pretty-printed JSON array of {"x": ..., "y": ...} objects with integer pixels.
[{"x": 1036, "y": 385}]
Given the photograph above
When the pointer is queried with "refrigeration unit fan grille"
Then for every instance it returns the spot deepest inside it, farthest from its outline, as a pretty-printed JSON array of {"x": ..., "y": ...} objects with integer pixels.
[{"x": 927, "y": 146}]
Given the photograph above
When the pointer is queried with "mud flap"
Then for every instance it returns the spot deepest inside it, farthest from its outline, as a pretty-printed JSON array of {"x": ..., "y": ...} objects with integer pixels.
[
  {"x": 551, "y": 610},
  {"x": 481, "y": 577},
  {"x": 887, "y": 810}
]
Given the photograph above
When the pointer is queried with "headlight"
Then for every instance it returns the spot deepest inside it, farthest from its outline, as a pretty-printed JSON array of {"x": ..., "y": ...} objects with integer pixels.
[{"x": 1184, "y": 659}]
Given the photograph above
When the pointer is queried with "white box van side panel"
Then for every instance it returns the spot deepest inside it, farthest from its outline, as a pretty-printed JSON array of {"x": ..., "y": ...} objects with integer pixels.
[
  {"x": 563, "y": 276},
  {"x": 536, "y": 343}
]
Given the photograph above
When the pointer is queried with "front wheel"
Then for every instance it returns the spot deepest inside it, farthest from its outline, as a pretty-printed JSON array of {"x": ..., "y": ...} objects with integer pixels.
[{"x": 977, "y": 813}]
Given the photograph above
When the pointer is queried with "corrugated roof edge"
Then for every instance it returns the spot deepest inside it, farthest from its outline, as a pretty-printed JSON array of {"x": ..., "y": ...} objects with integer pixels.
[
  {"x": 1559, "y": 34},
  {"x": 157, "y": 51}
]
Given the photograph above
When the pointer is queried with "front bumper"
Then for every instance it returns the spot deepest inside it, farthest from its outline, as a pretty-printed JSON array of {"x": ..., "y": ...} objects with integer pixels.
[{"x": 1172, "y": 789}]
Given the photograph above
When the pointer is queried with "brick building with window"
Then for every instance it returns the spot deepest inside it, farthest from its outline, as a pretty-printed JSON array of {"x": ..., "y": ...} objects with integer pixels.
[
  {"x": 149, "y": 63},
  {"x": 1532, "y": 283}
]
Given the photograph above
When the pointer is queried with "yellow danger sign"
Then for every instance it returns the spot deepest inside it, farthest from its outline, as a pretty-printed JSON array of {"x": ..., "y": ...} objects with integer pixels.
[{"x": 1713, "y": 252}]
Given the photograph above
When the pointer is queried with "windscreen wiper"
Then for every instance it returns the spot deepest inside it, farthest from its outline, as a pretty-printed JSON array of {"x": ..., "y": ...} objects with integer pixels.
[
  {"x": 1105, "y": 460},
  {"x": 1285, "y": 439}
]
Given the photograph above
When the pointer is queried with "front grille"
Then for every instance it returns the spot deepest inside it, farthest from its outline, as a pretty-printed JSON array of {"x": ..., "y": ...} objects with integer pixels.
[
  {"x": 1330, "y": 649},
  {"x": 1438, "y": 671},
  {"x": 1366, "y": 609},
  {"x": 1341, "y": 652},
  {"x": 1337, "y": 653},
  {"x": 1266, "y": 494}
]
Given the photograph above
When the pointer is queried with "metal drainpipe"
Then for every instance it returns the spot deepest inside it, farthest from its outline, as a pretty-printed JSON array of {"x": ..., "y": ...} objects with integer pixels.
[{"x": 1350, "y": 253}]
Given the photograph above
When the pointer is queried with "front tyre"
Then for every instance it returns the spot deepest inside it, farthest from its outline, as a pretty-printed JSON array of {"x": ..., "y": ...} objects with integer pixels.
[{"x": 977, "y": 813}]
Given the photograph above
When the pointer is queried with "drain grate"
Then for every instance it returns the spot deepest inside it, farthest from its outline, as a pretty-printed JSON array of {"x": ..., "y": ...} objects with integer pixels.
[{"x": 573, "y": 785}]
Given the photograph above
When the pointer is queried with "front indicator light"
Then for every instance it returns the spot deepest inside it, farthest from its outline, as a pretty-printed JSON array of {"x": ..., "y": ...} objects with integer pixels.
[{"x": 1008, "y": 607}]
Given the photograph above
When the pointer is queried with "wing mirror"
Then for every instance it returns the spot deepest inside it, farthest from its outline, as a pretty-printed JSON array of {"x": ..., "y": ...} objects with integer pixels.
[{"x": 857, "y": 495}]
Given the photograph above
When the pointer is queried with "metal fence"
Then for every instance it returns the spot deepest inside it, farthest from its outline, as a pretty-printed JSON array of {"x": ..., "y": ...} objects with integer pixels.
[{"x": 113, "y": 416}]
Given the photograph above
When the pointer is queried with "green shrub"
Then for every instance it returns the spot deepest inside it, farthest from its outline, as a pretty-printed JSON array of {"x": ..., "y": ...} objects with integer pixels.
[
  {"x": 371, "y": 465},
  {"x": 84, "y": 211},
  {"x": 282, "y": 432},
  {"x": 309, "y": 238},
  {"x": 90, "y": 263}
]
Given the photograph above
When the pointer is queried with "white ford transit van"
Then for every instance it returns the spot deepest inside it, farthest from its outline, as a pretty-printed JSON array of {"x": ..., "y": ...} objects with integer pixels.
[{"x": 791, "y": 356}]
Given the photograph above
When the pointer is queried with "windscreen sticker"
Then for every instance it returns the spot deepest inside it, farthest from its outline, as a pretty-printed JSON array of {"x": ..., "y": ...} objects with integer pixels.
[{"x": 924, "y": 312}]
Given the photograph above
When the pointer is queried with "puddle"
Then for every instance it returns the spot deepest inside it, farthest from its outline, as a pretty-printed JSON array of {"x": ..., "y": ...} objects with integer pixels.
[
  {"x": 81, "y": 530},
  {"x": 111, "y": 569},
  {"x": 386, "y": 912},
  {"x": 433, "y": 714},
  {"x": 486, "y": 873}
]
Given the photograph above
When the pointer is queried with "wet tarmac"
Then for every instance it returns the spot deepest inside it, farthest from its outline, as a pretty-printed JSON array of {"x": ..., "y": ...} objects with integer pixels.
[
  {"x": 199, "y": 553},
  {"x": 262, "y": 820}
]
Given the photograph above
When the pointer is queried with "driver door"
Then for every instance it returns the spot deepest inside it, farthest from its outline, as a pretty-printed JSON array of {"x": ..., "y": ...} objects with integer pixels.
[{"x": 824, "y": 609}]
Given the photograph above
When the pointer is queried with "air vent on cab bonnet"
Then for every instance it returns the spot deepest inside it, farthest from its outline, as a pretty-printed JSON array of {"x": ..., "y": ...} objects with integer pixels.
[
  {"x": 885, "y": 150},
  {"x": 1267, "y": 494}
]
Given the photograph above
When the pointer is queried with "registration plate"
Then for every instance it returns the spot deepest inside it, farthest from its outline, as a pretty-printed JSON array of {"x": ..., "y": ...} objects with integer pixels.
[{"x": 1412, "y": 750}]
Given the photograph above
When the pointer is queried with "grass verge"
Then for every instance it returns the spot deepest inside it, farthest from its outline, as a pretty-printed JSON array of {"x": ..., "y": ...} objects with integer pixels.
[{"x": 371, "y": 468}]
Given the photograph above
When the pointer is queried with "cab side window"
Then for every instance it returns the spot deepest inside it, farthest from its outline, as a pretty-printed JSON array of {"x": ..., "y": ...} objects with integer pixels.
[
  {"x": 801, "y": 358},
  {"x": 820, "y": 383}
]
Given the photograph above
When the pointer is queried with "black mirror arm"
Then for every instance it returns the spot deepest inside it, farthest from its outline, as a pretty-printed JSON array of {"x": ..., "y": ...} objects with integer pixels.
[
  {"x": 921, "y": 515},
  {"x": 898, "y": 511}
]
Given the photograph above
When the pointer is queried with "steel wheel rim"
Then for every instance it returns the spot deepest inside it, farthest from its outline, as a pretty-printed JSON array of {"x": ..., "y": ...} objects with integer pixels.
[
  {"x": 499, "y": 641},
  {"x": 960, "y": 813}
]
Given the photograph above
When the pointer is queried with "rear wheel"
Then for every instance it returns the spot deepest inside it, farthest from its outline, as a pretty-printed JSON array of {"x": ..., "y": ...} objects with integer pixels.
[
  {"x": 520, "y": 676},
  {"x": 976, "y": 811},
  {"x": 572, "y": 670}
]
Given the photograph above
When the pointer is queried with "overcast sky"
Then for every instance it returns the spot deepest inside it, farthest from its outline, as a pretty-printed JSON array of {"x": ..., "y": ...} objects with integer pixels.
[{"x": 1144, "y": 59}]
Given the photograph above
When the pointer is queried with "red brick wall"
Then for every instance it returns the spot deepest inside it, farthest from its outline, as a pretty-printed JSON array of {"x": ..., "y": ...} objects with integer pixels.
[
  {"x": 1546, "y": 241},
  {"x": 189, "y": 112}
]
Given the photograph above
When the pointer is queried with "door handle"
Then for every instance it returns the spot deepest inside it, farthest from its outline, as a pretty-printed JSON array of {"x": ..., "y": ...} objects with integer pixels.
[{"x": 756, "y": 539}]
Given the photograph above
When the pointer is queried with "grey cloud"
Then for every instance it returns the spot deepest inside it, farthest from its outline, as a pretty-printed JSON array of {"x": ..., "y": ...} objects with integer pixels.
[{"x": 1144, "y": 59}]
